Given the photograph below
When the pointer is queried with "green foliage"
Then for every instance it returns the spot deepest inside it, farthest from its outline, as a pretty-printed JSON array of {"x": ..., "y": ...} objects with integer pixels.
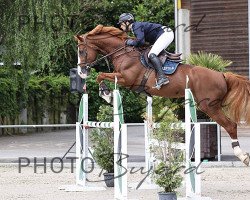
[
  {"x": 13, "y": 93},
  {"x": 159, "y": 103},
  {"x": 159, "y": 11},
  {"x": 209, "y": 60},
  {"x": 8, "y": 98},
  {"x": 45, "y": 92},
  {"x": 105, "y": 113},
  {"x": 103, "y": 141},
  {"x": 38, "y": 34},
  {"x": 103, "y": 148},
  {"x": 168, "y": 177},
  {"x": 49, "y": 84},
  {"x": 133, "y": 106},
  {"x": 105, "y": 11},
  {"x": 167, "y": 173}
]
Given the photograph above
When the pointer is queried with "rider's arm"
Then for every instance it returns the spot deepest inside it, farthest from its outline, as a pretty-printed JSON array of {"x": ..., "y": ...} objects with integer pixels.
[{"x": 138, "y": 31}]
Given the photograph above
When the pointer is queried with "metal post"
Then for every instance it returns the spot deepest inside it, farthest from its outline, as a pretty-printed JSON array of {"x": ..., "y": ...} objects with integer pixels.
[{"x": 219, "y": 141}]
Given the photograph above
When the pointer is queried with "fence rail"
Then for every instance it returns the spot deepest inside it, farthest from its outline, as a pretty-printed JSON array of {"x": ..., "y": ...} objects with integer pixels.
[{"x": 38, "y": 126}]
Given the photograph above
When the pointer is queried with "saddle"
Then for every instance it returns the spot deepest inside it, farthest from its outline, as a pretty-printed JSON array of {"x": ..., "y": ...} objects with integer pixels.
[{"x": 169, "y": 61}]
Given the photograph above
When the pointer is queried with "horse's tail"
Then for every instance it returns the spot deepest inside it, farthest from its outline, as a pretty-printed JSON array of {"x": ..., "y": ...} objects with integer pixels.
[{"x": 237, "y": 99}]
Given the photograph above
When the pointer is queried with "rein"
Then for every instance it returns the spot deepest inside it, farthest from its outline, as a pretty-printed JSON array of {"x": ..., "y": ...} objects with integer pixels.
[{"x": 103, "y": 57}]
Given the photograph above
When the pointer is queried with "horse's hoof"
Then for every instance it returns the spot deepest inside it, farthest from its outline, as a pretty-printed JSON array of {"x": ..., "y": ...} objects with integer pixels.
[
  {"x": 105, "y": 93},
  {"x": 103, "y": 89},
  {"x": 247, "y": 159}
]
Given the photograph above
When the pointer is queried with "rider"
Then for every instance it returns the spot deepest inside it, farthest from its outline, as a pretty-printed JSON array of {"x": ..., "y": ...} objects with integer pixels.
[{"x": 155, "y": 34}]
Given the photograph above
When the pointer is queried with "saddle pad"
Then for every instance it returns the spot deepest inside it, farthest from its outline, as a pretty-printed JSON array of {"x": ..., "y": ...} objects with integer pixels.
[{"x": 170, "y": 67}]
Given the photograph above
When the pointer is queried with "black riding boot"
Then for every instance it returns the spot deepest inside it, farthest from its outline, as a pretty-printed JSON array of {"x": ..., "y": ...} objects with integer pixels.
[{"x": 162, "y": 79}]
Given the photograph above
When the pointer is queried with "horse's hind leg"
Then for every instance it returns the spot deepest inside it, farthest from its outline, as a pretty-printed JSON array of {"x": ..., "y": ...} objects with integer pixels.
[{"x": 217, "y": 115}]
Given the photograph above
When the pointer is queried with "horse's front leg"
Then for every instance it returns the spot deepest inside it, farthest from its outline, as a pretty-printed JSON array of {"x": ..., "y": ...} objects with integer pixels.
[
  {"x": 104, "y": 91},
  {"x": 111, "y": 77}
]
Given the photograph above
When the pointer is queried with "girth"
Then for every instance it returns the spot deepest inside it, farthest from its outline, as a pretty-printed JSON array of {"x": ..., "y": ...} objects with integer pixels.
[{"x": 141, "y": 88}]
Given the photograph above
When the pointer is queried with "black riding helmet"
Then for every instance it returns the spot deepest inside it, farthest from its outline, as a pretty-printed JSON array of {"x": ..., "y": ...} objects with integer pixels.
[{"x": 126, "y": 17}]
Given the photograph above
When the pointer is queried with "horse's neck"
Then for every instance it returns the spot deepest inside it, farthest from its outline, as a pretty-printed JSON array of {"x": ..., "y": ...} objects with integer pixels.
[{"x": 107, "y": 44}]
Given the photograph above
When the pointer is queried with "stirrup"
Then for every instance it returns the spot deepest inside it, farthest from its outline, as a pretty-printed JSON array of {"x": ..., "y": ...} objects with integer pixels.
[{"x": 158, "y": 86}]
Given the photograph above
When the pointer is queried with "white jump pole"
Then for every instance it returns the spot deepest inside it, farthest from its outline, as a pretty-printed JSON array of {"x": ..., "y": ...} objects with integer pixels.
[
  {"x": 148, "y": 126},
  {"x": 84, "y": 139},
  {"x": 193, "y": 179},
  {"x": 120, "y": 149},
  {"x": 187, "y": 142},
  {"x": 80, "y": 177},
  {"x": 197, "y": 141}
]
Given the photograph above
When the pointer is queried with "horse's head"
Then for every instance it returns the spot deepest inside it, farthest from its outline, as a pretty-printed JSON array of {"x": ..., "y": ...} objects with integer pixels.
[
  {"x": 104, "y": 40},
  {"x": 86, "y": 55}
]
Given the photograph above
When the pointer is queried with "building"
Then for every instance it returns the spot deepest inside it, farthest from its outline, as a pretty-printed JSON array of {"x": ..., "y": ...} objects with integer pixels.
[{"x": 216, "y": 26}]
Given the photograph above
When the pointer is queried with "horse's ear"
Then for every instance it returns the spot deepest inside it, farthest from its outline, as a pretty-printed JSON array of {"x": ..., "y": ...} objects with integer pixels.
[{"x": 78, "y": 38}]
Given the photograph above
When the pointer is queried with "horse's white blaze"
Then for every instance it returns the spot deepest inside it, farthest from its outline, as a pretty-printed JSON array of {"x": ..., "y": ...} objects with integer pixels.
[{"x": 79, "y": 70}]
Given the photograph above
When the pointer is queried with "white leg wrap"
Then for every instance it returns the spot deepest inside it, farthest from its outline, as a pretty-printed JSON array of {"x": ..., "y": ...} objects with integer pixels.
[
  {"x": 243, "y": 156},
  {"x": 234, "y": 140},
  {"x": 239, "y": 153}
]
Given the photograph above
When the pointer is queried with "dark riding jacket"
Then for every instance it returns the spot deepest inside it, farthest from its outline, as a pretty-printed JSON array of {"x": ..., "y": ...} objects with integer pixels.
[{"x": 145, "y": 32}]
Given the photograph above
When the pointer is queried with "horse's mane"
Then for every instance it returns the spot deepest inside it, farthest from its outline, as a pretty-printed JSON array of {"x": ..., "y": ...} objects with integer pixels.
[{"x": 108, "y": 29}]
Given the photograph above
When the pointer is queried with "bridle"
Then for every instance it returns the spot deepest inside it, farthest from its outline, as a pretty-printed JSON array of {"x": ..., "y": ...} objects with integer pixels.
[{"x": 85, "y": 54}]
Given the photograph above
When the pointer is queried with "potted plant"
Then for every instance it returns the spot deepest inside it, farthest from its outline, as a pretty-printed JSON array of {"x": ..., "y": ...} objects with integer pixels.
[
  {"x": 103, "y": 146},
  {"x": 208, "y": 60},
  {"x": 167, "y": 172}
]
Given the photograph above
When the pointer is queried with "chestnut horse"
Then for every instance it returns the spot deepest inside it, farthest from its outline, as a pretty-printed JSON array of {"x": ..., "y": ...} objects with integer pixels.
[{"x": 223, "y": 97}]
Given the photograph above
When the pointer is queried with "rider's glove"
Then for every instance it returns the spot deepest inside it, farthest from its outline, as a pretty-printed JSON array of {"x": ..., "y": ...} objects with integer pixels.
[{"x": 129, "y": 42}]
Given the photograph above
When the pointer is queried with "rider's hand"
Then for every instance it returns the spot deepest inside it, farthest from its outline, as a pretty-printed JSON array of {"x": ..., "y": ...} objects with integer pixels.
[{"x": 129, "y": 42}]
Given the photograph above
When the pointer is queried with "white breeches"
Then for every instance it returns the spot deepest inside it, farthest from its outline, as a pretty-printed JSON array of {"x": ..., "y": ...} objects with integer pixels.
[{"x": 162, "y": 42}]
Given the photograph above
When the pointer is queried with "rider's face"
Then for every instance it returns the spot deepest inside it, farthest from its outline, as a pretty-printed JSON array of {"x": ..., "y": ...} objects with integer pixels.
[{"x": 125, "y": 26}]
